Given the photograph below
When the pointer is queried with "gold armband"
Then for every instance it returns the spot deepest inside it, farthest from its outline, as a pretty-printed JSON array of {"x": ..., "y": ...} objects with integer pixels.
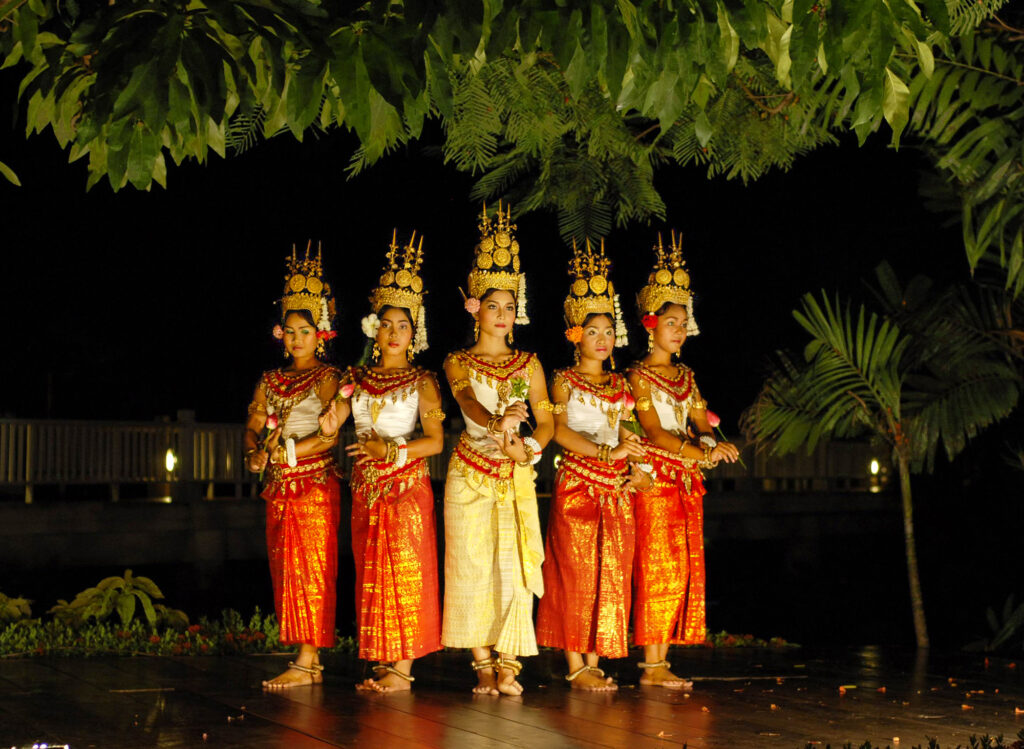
[
  {"x": 257, "y": 407},
  {"x": 643, "y": 404},
  {"x": 460, "y": 385},
  {"x": 434, "y": 413},
  {"x": 700, "y": 404},
  {"x": 545, "y": 405},
  {"x": 560, "y": 408}
]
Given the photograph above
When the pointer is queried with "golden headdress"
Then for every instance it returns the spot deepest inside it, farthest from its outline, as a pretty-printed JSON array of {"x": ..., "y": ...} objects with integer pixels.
[
  {"x": 305, "y": 289},
  {"x": 496, "y": 262},
  {"x": 402, "y": 286},
  {"x": 591, "y": 291},
  {"x": 669, "y": 282}
]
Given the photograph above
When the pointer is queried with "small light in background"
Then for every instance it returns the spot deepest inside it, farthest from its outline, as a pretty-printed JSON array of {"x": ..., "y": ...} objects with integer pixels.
[
  {"x": 875, "y": 467},
  {"x": 170, "y": 460},
  {"x": 558, "y": 460}
]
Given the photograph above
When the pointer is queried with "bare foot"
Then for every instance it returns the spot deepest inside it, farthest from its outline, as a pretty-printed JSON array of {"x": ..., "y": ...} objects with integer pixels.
[
  {"x": 293, "y": 677},
  {"x": 589, "y": 681},
  {"x": 662, "y": 677},
  {"x": 507, "y": 683},
  {"x": 486, "y": 682},
  {"x": 385, "y": 684}
]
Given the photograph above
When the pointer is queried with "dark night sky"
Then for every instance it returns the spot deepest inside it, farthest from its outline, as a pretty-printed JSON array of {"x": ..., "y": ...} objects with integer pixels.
[{"x": 133, "y": 305}]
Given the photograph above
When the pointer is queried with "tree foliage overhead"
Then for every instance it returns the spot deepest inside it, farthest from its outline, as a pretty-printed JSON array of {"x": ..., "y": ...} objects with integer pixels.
[{"x": 557, "y": 105}]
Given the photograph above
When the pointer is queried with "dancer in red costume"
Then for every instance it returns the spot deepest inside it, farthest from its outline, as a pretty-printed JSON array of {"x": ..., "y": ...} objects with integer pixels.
[
  {"x": 394, "y": 537},
  {"x": 590, "y": 536},
  {"x": 668, "y": 572},
  {"x": 283, "y": 440}
]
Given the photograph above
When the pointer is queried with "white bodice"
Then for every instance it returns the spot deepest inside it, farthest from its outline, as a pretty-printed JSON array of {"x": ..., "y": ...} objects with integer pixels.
[
  {"x": 396, "y": 418},
  {"x": 672, "y": 414},
  {"x": 303, "y": 419},
  {"x": 672, "y": 399},
  {"x": 487, "y": 396},
  {"x": 492, "y": 388},
  {"x": 592, "y": 417}
]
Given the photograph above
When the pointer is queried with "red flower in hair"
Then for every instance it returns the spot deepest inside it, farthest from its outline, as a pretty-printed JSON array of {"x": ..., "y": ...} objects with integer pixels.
[
  {"x": 649, "y": 321},
  {"x": 326, "y": 335}
]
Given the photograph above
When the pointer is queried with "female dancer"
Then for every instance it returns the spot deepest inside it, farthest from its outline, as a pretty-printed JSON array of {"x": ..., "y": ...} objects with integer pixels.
[
  {"x": 393, "y": 531},
  {"x": 668, "y": 575},
  {"x": 302, "y": 490},
  {"x": 589, "y": 549},
  {"x": 493, "y": 548}
]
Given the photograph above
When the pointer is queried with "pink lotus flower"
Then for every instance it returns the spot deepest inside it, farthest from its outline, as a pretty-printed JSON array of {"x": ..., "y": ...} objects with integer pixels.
[
  {"x": 272, "y": 422},
  {"x": 278, "y": 332},
  {"x": 713, "y": 419},
  {"x": 347, "y": 389},
  {"x": 472, "y": 305},
  {"x": 630, "y": 401}
]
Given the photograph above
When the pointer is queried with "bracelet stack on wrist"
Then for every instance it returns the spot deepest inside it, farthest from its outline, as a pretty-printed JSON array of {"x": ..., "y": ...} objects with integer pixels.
[
  {"x": 401, "y": 452},
  {"x": 325, "y": 438},
  {"x": 706, "y": 462},
  {"x": 604, "y": 453},
  {"x": 533, "y": 449},
  {"x": 492, "y": 423}
]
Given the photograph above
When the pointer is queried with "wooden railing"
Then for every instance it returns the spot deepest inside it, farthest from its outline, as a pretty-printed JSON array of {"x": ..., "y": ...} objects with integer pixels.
[{"x": 189, "y": 459}]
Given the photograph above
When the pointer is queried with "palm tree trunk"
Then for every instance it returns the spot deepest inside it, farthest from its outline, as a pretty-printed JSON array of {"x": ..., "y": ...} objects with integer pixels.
[{"x": 916, "y": 599}]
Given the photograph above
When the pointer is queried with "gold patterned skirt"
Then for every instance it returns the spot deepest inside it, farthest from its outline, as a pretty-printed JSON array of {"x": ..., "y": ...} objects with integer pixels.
[
  {"x": 668, "y": 568},
  {"x": 493, "y": 553},
  {"x": 303, "y": 511},
  {"x": 394, "y": 542},
  {"x": 588, "y": 560}
]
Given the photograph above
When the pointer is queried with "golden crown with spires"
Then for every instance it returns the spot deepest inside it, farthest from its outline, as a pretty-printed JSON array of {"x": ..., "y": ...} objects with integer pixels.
[
  {"x": 669, "y": 281},
  {"x": 305, "y": 288},
  {"x": 402, "y": 286},
  {"x": 592, "y": 292},
  {"x": 496, "y": 262}
]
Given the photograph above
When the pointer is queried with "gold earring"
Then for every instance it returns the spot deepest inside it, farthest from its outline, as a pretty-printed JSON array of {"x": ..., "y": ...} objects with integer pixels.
[
  {"x": 611, "y": 360},
  {"x": 576, "y": 356},
  {"x": 476, "y": 330},
  {"x": 286, "y": 354},
  {"x": 409, "y": 354},
  {"x": 376, "y": 352},
  {"x": 650, "y": 341},
  {"x": 511, "y": 337}
]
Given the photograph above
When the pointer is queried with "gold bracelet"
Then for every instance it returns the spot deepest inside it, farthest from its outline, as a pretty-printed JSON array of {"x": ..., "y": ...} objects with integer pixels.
[
  {"x": 279, "y": 456},
  {"x": 459, "y": 385},
  {"x": 492, "y": 423},
  {"x": 529, "y": 456},
  {"x": 706, "y": 462},
  {"x": 392, "y": 453},
  {"x": 250, "y": 452},
  {"x": 604, "y": 453},
  {"x": 325, "y": 438}
]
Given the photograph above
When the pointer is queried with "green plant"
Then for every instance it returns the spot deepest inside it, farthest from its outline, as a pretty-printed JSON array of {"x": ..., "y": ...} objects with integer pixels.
[
  {"x": 1004, "y": 628},
  {"x": 13, "y": 609},
  {"x": 114, "y": 594},
  {"x": 918, "y": 376}
]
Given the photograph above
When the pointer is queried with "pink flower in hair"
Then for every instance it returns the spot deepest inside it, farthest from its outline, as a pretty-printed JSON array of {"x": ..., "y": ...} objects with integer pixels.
[
  {"x": 472, "y": 305},
  {"x": 278, "y": 332}
]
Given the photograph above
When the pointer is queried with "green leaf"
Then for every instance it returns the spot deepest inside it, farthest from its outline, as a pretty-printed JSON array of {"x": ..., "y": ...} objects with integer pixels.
[
  {"x": 125, "y": 608},
  {"x": 730, "y": 40},
  {"x": 895, "y": 104},
  {"x": 9, "y": 174},
  {"x": 702, "y": 128}
]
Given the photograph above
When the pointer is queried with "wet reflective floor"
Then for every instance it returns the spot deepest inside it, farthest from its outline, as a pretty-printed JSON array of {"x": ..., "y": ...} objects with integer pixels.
[{"x": 741, "y": 698}]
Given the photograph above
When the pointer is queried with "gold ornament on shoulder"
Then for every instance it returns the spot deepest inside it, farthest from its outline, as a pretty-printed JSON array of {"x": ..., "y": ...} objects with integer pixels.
[
  {"x": 403, "y": 278},
  {"x": 297, "y": 282},
  {"x": 484, "y": 260},
  {"x": 598, "y": 284},
  {"x": 502, "y": 256},
  {"x": 681, "y": 277},
  {"x": 503, "y": 239},
  {"x": 314, "y": 285},
  {"x": 663, "y": 276},
  {"x": 579, "y": 287}
]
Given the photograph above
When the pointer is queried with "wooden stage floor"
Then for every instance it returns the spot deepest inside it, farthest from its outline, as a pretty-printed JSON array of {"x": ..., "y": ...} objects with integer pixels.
[{"x": 742, "y": 698}]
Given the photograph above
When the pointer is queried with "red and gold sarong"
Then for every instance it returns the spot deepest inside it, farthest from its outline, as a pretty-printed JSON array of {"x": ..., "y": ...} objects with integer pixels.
[
  {"x": 303, "y": 510},
  {"x": 588, "y": 560},
  {"x": 668, "y": 570},
  {"x": 395, "y": 547}
]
